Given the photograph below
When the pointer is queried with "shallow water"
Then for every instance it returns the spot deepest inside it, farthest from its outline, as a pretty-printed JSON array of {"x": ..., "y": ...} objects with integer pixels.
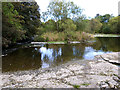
[{"x": 52, "y": 55}]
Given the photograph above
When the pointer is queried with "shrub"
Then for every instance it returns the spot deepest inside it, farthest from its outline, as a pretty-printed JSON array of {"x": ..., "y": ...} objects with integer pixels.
[
  {"x": 64, "y": 36},
  {"x": 51, "y": 36},
  {"x": 61, "y": 36},
  {"x": 39, "y": 39},
  {"x": 86, "y": 36}
]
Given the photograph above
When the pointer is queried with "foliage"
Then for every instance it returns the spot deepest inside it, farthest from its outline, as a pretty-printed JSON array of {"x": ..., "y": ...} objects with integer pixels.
[
  {"x": 51, "y": 36},
  {"x": 110, "y": 24},
  {"x": 105, "y": 29},
  {"x": 63, "y": 10},
  {"x": 67, "y": 25},
  {"x": 61, "y": 36},
  {"x": 63, "y": 21},
  {"x": 81, "y": 23},
  {"x": 20, "y": 20},
  {"x": 30, "y": 12},
  {"x": 114, "y": 25},
  {"x": 60, "y": 10},
  {"x": 50, "y": 25},
  {"x": 95, "y": 25},
  {"x": 11, "y": 27},
  {"x": 39, "y": 38},
  {"x": 103, "y": 19}
]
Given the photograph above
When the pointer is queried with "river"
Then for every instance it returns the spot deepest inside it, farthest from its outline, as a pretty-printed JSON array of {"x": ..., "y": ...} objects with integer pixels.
[{"x": 45, "y": 56}]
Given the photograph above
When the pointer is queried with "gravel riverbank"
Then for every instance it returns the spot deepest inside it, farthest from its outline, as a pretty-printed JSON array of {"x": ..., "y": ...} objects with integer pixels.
[{"x": 96, "y": 73}]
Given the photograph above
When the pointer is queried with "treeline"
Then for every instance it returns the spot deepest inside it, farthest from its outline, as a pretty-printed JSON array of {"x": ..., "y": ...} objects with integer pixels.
[
  {"x": 65, "y": 21},
  {"x": 107, "y": 23},
  {"x": 62, "y": 21}
]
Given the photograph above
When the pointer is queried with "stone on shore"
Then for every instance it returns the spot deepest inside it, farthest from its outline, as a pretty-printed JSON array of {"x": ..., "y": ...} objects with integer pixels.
[
  {"x": 74, "y": 74},
  {"x": 113, "y": 57}
]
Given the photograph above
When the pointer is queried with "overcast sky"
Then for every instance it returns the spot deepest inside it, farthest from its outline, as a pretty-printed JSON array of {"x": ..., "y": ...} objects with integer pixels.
[{"x": 91, "y": 7}]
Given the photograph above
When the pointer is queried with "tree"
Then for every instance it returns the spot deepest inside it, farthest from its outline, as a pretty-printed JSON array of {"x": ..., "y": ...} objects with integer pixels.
[
  {"x": 50, "y": 25},
  {"x": 82, "y": 24},
  {"x": 68, "y": 27},
  {"x": 86, "y": 26},
  {"x": 103, "y": 19},
  {"x": 114, "y": 25},
  {"x": 95, "y": 25},
  {"x": 60, "y": 10},
  {"x": 11, "y": 27},
  {"x": 31, "y": 17},
  {"x": 20, "y": 20}
]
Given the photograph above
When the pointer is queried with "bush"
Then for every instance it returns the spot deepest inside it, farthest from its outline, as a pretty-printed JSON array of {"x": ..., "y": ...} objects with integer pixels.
[
  {"x": 106, "y": 30},
  {"x": 51, "y": 36},
  {"x": 61, "y": 36},
  {"x": 39, "y": 39},
  {"x": 64, "y": 36},
  {"x": 86, "y": 36}
]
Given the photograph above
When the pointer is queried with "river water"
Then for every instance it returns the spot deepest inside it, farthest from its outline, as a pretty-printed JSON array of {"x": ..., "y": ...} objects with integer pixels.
[{"x": 45, "y": 56}]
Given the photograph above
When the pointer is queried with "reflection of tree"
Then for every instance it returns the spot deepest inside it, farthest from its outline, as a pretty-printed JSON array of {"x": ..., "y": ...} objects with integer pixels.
[
  {"x": 113, "y": 44},
  {"x": 64, "y": 53},
  {"x": 22, "y": 59},
  {"x": 107, "y": 44},
  {"x": 77, "y": 51},
  {"x": 25, "y": 59}
]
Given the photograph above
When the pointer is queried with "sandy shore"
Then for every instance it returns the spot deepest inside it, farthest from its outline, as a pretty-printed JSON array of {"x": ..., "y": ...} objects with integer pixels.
[{"x": 96, "y": 73}]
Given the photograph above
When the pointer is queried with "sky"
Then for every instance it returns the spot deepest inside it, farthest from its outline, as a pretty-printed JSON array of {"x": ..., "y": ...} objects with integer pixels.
[{"x": 91, "y": 7}]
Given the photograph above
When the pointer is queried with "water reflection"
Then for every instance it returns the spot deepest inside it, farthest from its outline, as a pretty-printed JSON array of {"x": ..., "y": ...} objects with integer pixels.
[
  {"x": 89, "y": 53},
  {"x": 107, "y": 44},
  {"x": 21, "y": 59},
  {"x": 53, "y": 55},
  {"x": 50, "y": 55}
]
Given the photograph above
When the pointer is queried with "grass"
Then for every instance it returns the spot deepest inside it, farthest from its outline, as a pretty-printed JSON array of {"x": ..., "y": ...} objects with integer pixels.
[
  {"x": 106, "y": 35},
  {"x": 76, "y": 86}
]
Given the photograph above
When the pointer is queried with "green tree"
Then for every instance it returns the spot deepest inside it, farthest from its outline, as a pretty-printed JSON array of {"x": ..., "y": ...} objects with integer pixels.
[
  {"x": 82, "y": 24},
  {"x": 95, "y": 25},
  {"x": 60, "y": 10},
  {"x": 86, "y": 26},
  {"x": 50, "y": 25},
  {"x": 105, "y": 29},
  {"x": 114, "y": 25},
  {"x": 31, "y": 14},
  {"x": 103, "y": 19},
  {"x": 67, "y": 25},
  {"x": 68, "y": 28},
  {"x": 12, "y": 30}
]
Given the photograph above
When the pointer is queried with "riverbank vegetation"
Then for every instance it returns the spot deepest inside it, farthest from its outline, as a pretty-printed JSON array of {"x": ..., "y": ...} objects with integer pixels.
[
  {"x": 20, "y": 21},
  {"x": 63, "y": 21},
  {"x": 61, "y": 36}
]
